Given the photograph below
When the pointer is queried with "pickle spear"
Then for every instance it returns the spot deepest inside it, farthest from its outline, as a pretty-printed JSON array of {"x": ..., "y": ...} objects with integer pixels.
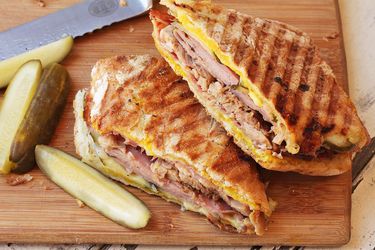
[
  {"x": 41, "y": 118},
  {"x": 47, "y": 54},
  {"x": 92, "y": 188},
  {"x": 13, "y": 108}
]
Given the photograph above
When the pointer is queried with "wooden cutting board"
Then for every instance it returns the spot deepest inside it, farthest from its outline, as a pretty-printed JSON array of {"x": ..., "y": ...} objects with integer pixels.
[{"x": 311, "y": 210}]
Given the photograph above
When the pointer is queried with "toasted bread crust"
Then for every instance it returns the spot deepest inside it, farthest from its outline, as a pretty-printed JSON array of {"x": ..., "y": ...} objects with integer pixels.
[
  {"x": 156, "y": 109},
  {"x": 285, "y": 68},
  {"x": 93, "y": 154},
  {"x": 321, "y": 166}
]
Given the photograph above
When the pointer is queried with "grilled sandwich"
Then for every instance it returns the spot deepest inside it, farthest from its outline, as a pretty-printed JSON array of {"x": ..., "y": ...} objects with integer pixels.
[
  {"x": 141, "y": 125},
  {"x": 265, "y": 82}
]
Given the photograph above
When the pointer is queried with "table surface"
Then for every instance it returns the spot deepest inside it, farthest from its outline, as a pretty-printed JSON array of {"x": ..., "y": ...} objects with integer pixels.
[{"x": 364, "y": 186}]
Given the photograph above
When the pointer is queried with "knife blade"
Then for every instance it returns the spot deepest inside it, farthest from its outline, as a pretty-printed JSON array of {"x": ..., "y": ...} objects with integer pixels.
[{"x": 75, "y": 21}]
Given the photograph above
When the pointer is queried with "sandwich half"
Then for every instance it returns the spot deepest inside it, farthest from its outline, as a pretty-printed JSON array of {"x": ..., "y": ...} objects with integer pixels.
[
  {"x": 141, "y": 125},
  {"x": 265, "y": 82}
]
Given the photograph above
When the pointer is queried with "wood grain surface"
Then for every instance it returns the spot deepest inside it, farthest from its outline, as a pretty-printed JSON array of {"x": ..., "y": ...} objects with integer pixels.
[{"x": 311, "y": 210}]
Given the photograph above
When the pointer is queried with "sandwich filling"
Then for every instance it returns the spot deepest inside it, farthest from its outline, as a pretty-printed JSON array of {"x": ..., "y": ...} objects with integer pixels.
[
  {"x": 183, "y": 183},
  {"x": 220, "y": 87}
]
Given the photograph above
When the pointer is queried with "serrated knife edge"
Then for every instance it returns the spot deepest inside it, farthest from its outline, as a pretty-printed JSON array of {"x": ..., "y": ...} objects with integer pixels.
[{"x": 76, "y": 20}]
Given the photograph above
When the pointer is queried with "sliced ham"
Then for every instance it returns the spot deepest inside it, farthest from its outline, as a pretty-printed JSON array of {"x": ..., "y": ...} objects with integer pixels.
[
  {"x": 197, "y": 52},
  {"x": 179, "y": 180},
  {"x": 216, "y": 79},
  {"x": 249, "y": 102}
]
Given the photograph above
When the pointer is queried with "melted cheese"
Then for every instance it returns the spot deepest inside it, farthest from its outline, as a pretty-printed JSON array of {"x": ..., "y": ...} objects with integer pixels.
[
  {"x": 254, "y": 92},
  {"x": 264, "y": 156},
  {"x": 229, "y": 189},
  {"x": 139, "y": 137}
]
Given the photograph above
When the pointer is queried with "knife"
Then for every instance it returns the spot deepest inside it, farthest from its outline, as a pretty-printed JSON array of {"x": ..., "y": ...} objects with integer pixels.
[{"x": 74, "y": 21}]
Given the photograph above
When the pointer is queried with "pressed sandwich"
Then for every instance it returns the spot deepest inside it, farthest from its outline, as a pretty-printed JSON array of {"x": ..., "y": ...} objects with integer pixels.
[
  {"x": 141, "y": 125},
  {"x": 265, "y": 82}
]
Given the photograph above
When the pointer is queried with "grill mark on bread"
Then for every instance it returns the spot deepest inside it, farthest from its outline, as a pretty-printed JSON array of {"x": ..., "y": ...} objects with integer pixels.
[
  {"x": 314, "y": 99},
  {"x": 254, "y": 56},
  {"x": 196, "y": 143},
  {"x": 170, "y": 92},
  {"x": 176, "y": 109},
  {"x": 333, "y": 105},
  {"x": 182, "y": 103},
  {"x": 280, "y": 99},
  {"x": 155, "y": 68},
  {"x": 308, "y": 123},
  {"x": 302, "y": 88},
  {"x": 190, "y": 140},
  {"x": 256, "y": 59},
  {"x": 241, "y": 56},
  {"x": 188, "y": 125},
  {"x": 281, "y": 65},
  {"x": 221, "y": 165},
  {"x": 338, "y": 116},
  {"x": 314, "y": 143},
  {"x": 325, "y": 99},
  {"x": 232, "y": 33},
  {"x": 225, "y": 41},
  {"x": 301, "y": 65},
  {"x": 183, "y": 106},
  {"x": 267, "y": 45},
  {"x": 329, "y": 126},
  {"x": 218, "y": 29},
  {"x": 271, "y": 59},
  {"x": 253, "y": 53},
  {"x": 318, "y": 104},
  {"x": 280, "y": 102},
  {"x": 271, "y": 74},
  {"x": 209, "y": 26},
  {"x": 291, "y": 57}
]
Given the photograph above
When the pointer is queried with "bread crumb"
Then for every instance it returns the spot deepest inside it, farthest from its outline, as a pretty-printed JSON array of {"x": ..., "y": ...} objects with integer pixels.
[
  {"x": 14, "y": 180},
  {"x": 41, "y": 3},
  {"x": 80, "y": 203},
  {"x": 273, "y": 204},
  {"x": 48, "y": 188},
  {"x": 331, "y": 36},
  {"x": 131, "y": 29},
  {"x": 123, "y": 3}
]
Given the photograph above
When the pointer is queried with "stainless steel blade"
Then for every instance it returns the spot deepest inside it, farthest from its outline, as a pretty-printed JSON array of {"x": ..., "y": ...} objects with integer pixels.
[{"x": 76, "y": 21}]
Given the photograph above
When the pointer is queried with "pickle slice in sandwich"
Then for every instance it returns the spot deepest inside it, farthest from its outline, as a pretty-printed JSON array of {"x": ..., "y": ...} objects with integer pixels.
[{"x": 265, "y": 82}]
